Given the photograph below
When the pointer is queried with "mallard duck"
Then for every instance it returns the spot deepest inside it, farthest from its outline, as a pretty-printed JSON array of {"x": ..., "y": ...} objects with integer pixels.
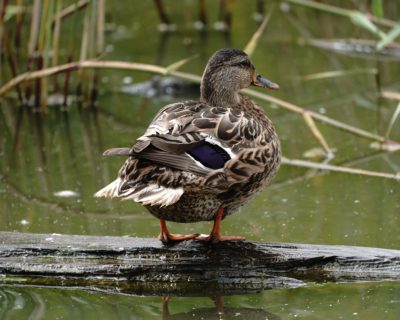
[{"x": 202, "y": 160}]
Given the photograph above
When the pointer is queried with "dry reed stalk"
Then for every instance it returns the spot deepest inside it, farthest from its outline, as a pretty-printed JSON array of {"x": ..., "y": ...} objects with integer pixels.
[
  {"x": 329, "y": 167},
  {"x": 225, "y": 15},
  {"x": 56, "y": 41},
  {"x": 3, "y": 6},
  {"x": 339, "y": 73},
  {"x": 203, "y": 12},
  {"x": 317, "y": 134},
  {"x": 35, "y": 27},
  {"x": 100, "y": 27},
  {"x": 161, "y": 12},
  {"x": 193, "y": 78},
  {"x": 252, "y": 44},
  {"x": 44, "y": 47},
  {"x": 70, "y": 10},
  {"x": 56, "y": 33},
  {"x": 396, "y": 115},
  {"x": 83, "y": 56},
  {"x": 390, "y": 95},
  {"x": 19, "y": 18},
  {"x": 316, "y": 116},
  {"x": 12, "y": 65}
]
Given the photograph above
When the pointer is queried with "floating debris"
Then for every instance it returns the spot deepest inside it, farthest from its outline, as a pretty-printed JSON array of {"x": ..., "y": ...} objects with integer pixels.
[
  {"x": 316, "y": 153},
  {"x": 162, "y": 87},
  {"x": 24, "y": 222},
  {"x": 165, "y": 27},
  {"x": 388, "y": 146},
  {"x": 66, "y": 194}
]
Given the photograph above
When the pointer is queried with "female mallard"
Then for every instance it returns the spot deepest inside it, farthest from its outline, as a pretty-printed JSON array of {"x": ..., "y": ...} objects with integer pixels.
[{"x": 202, "y": 160}]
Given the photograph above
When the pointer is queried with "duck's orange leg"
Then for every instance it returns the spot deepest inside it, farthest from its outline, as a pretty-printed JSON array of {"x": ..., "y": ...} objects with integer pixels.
[
  {"x": 215, "y": 234},
  {"x": 166, "y": 237}
]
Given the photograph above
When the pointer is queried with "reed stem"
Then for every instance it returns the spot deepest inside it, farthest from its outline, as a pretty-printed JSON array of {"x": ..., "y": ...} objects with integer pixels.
[
  {"x": 330, "y": 167},
  {"x": 93, "y": 64}
]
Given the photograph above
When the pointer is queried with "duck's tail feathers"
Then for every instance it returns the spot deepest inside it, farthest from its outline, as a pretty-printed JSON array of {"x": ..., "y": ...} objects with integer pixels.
[
  {"x": 124, "y": 152},
  {"x": 153, "y": 195},
  {"x": 109, "y": 191}
]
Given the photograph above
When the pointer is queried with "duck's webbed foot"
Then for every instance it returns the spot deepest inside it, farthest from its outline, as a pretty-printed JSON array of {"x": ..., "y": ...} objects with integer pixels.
[
  {"x": 215, "y": 234},
  {"x": 167, "y": 237}
]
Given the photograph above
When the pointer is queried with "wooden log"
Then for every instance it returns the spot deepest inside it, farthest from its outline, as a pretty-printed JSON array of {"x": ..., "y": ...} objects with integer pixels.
[{"x": 146, "y": 266}]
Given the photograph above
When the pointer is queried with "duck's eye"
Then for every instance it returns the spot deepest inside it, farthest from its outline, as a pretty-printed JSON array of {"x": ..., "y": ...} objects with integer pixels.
[{"x": 244, "y": 64}]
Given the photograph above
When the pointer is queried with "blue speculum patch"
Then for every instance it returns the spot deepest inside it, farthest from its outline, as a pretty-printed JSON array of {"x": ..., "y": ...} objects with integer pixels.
[{"x": 210, "y": 155}]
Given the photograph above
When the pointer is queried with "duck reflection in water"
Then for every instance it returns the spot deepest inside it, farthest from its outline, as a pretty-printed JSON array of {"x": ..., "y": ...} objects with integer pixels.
[{"x": 218, "y": 312}]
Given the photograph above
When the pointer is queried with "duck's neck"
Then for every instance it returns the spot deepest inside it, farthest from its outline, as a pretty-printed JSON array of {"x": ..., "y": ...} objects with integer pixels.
[{"x": 218, "y": 90}]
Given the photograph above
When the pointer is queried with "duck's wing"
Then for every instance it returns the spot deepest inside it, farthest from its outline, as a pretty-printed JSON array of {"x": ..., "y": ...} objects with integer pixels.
[
  {"x": 195, "y": 137},
  {"x": 171, "y": 140},
  {"x": 227, "y": 145}
]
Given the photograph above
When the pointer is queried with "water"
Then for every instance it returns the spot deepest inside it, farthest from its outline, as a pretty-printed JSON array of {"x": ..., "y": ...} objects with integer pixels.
[{"x": 45, "y": 156}]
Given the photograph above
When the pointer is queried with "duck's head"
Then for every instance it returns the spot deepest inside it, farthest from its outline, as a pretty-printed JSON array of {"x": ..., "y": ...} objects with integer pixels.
[{"x": 227, "y": 72}]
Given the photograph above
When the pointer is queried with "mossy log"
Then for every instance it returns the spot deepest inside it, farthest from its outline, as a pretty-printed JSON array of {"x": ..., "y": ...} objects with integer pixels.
[{"x": 146, "y": 266}]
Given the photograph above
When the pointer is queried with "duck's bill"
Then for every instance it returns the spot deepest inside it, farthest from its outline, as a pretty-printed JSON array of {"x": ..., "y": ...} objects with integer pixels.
[{"x": 265, "y": 83}]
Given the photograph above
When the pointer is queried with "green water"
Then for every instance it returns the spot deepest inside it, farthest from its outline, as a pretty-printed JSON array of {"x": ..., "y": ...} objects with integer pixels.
[{"x": 45, "y": 154}]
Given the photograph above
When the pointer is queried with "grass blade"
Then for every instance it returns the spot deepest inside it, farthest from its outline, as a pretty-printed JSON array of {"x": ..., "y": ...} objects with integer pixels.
[
  {"x": 11, "y": 11},
  {"x": 357, "y": 17},
  {"x": 377, "y": 8},
  {"x": 389, "y": 38},
  {"x": 362, "y": 21}
]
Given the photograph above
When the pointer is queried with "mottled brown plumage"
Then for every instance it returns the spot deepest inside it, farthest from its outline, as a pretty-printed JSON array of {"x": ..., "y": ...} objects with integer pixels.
[{"x": 202, "y": 160}]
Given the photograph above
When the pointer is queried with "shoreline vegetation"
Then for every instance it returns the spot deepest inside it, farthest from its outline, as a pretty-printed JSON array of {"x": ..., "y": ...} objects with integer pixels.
[{"x": 46, "y": 73}]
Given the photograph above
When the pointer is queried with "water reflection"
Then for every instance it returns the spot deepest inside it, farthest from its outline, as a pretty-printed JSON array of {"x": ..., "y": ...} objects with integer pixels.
[
  {"x": 332, "y": 301},
  {"x": 44, "y": 154},
  {"x": 218, "y": 312},
  {"x": 37, "y": 303}
]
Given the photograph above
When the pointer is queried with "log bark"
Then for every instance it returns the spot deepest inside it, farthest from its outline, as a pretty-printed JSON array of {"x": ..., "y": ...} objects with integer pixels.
[{"x": 146, "y": 266}]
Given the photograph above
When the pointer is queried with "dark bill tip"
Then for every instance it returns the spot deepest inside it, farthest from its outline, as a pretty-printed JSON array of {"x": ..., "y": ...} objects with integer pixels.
[{"x": 265, "y": 83}]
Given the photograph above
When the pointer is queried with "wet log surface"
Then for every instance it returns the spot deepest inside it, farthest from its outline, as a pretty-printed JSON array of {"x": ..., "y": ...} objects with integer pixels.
[{"x": 146, "y": 266}]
